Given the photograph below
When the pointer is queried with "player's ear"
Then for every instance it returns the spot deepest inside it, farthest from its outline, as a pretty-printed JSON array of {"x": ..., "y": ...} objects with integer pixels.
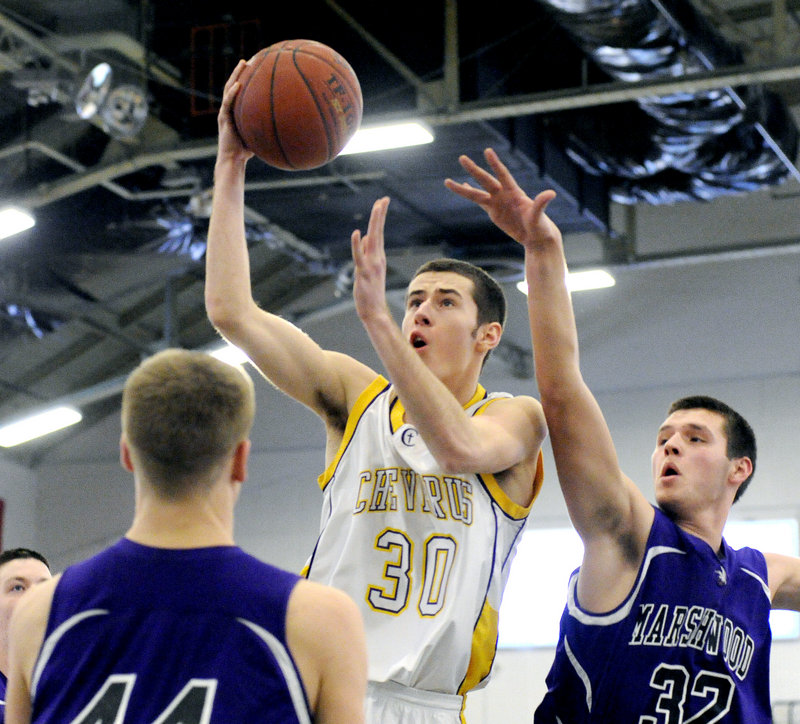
[
  {"x": 489, "y": 335},
  {"x": 125, "y": 455},
  {"x": 741, "y": 469},
  {"x": 240, "y": 457}
]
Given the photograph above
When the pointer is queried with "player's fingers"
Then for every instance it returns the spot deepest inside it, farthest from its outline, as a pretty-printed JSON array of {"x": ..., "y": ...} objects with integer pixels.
[
  {"x": 355, "y": 245},
  {"x": 468, "y": 192},
  {"x": 504, "y": 176},
  {"x": 542, "y": 199},
  {"x": 482, "y": 176},
  {"x": 377, "y": 220},
  {"x": 234, "y": 76},
  {"x": 229, "y": 96}
]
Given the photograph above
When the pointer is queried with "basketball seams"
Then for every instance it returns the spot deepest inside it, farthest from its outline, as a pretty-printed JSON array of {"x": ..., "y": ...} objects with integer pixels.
[
  {"x": 320, "y": 110},
  {"x": 344, "y": 73},
  {"x": 238, "y": 109},
  {"x": 274, "y": 121},
  {"x": 328, "y": 56},
  {"x": 299, "y": 114}
]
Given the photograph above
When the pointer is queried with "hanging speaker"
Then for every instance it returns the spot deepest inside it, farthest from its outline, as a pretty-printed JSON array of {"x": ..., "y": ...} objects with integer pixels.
[{"x": 124, "y": 111}]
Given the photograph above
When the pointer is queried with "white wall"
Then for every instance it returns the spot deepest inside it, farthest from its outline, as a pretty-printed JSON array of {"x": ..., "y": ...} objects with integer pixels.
[
  {"x": 84, "y": 505},
  {"x": 18, "y": 491}
]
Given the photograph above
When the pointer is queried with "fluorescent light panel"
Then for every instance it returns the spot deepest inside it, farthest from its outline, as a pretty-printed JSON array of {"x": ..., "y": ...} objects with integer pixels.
[
  {"x": 57, "y": 418},
  {"x": 38, "y": 425},
  {"x": 230, "y": 354},
  {"x": 381, "y": 138},
  {"x": 12, "y": 221},
  {"x": 581, "y": 281}
]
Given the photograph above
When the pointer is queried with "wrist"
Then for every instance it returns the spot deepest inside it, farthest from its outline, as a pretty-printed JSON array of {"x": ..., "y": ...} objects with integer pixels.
[{"x": 376, "y": 316}]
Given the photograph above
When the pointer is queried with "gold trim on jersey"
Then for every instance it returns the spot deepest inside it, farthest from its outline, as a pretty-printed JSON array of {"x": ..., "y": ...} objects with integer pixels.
[
  {"x": 370, "y": 393},
  {"x": 398, "y": 412},
  {"x": 484, "y": 649},
  {"x": 508, "y": 506}
]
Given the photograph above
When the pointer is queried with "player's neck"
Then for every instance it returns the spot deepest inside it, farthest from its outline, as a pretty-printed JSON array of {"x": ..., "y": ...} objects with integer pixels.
[
  {"x": 183, "y": 524},
  {"x": 708, "y": 528},
  {"x": 462, "y": 386}
]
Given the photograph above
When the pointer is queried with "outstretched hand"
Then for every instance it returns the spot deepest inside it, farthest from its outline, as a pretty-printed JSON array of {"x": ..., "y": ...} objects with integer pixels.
[
  {"x": 369, "y": 259},
  {"x": 229, "y": 141},
  {"x": 508, "y": 206}
]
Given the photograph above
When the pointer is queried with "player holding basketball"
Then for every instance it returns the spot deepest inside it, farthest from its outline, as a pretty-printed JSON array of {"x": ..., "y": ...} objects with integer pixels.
[
  {"x": 174, "y": 623},
  {"x": 665, "y": 623},
  {"x": 429, "y": 479}
]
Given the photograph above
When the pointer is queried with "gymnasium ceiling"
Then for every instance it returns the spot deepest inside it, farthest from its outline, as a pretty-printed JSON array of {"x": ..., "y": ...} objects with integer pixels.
[{"x": 113, "y": 270}]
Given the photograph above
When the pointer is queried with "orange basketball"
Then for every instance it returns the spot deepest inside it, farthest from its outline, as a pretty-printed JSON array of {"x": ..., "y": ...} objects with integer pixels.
[{"x": 299, "y": 104}]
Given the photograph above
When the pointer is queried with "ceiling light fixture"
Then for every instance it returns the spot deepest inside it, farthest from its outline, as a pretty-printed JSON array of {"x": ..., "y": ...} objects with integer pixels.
[
  {"x": 230, "y": 354},
  {"x": 382, "y": 138},
  {"x": 38, "y": 425},
  {"x": 120, "y": 111},
  {"x": 12, "y": 221},
  {"x": 581, "y": 281}
]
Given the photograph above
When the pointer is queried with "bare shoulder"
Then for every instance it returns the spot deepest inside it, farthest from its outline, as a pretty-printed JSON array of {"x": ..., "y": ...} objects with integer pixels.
[
  {"x": 322, "y": 620},
  {"x": 784, "y": 580},
  {"x": 326, "y": 637},
  {"x": 523, "y": 404},
  {"x": 28, "y": 625},
  {"x": 33, "y": 608},
  {"x": 522, "y": 412},
  {"x": 355, "y": 375},
  {"x": 314, "y": 604}
]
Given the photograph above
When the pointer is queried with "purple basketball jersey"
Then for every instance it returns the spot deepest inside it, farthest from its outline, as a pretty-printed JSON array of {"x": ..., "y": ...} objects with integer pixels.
[
  {"x": 690, "y": 643},
  {"x": 196, "y": 636}
]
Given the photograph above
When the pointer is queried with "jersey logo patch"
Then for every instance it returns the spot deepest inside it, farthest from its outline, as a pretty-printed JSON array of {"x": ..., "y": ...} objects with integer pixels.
[{"x": 409, "y": 437}]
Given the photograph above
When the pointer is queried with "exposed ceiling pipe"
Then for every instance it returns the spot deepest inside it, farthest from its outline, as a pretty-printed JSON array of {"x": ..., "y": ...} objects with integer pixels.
[
  {"x": 125, "y": 46},
  {"x": 724, "y": 139},
  {"x": 570, "y": 99}
]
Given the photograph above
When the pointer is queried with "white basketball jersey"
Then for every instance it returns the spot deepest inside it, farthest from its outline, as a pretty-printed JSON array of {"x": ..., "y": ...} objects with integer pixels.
[{"x": 425, "y": 555}]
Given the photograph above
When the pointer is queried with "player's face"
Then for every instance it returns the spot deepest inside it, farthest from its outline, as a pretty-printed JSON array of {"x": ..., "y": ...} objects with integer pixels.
[
  {"x": 440, "y": 320},
  {"x": 690, "y": 462},
  {"x": 16, "y": 577}
]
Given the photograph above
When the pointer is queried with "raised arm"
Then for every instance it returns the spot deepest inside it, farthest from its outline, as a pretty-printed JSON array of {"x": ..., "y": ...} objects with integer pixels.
[
  {"x": 509, "y": 433},
  {"x": 326, "y": 637},
  {"x": 324, "y": 381},
  {"x": 610, "y": 514}
]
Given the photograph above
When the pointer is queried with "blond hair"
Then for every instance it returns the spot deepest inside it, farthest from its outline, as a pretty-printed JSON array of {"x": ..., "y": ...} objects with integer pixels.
[{"x": 183, "y": 415}]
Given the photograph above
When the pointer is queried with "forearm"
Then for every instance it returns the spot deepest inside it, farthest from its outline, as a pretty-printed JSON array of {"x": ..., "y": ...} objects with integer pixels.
[
  {"x": 430, "y": 406},
  {"x": 227, "y": 290},
  {"x": 552, "y": 322}
]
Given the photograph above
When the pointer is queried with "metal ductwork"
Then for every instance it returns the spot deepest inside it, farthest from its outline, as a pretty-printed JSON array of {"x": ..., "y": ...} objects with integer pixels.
[{"x": 682, "y": 146}]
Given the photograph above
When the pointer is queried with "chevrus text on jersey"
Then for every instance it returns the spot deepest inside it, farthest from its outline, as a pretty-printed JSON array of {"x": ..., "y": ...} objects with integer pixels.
[
  {"x": 387, "y": 489},
  {"x": 696, "y": 627}
]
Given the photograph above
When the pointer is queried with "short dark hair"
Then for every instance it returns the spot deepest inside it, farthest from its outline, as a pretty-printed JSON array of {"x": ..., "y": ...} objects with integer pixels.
[
  {"x": 12, "y": 554},
  {"x": 487, "y": 293},
  {"x": 741, "y": 438}
]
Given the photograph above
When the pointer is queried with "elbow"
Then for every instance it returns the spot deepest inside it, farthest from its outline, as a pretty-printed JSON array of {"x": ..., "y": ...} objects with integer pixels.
[
  {"x": 218, "y": 314},
  {"x": 223, "y": 314},
  {"x": 454, "y": 459}
]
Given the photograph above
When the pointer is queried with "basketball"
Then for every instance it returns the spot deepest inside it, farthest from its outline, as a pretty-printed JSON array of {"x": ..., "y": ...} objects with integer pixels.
[{"x": 299, "y": 104}]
